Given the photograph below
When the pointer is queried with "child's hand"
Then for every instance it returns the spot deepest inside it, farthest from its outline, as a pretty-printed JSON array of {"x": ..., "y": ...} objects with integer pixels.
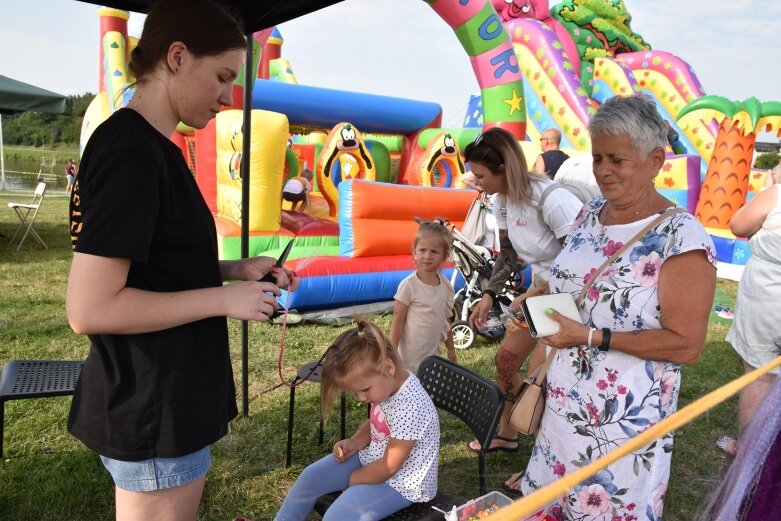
[{"x": 343, "y": 450}]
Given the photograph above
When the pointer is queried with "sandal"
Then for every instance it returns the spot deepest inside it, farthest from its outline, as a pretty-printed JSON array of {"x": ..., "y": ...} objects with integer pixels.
[
  {"x": 474, "y": 445},
  {"x": 728, "y": 441},
  {"x": 513, "y": 484}
]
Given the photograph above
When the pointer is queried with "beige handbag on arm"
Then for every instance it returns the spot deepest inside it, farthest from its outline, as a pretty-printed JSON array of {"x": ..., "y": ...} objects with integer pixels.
[{"x": 526, "y": 414}]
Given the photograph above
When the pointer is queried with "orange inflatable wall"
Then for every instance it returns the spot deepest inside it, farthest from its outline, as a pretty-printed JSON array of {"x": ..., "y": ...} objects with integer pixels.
[{"x": 379, "y": 218}]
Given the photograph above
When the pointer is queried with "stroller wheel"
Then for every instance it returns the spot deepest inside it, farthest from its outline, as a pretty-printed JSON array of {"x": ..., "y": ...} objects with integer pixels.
[{"x": 463, "y": 335}]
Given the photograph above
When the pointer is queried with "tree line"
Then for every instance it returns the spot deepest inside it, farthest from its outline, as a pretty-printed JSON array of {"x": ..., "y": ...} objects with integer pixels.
[{"x": 41, "y": 129}]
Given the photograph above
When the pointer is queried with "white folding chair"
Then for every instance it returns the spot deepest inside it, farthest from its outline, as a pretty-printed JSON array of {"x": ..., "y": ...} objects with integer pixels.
[{"x": 26, "y": 213}]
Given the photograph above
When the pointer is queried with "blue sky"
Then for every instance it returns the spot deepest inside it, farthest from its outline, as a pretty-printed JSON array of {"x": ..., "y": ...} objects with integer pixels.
[{"x": 402, "y": 48}]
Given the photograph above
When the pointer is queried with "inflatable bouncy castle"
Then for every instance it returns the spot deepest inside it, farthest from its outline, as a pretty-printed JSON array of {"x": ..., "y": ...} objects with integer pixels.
[{"x": 536, "y": 66}]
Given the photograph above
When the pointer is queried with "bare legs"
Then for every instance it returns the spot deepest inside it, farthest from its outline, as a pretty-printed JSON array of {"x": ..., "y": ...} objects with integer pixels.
[
  {"x": 171, "y": 504},
  {"x": 513, "y": 352},
  {"x": 750, "y": 398}
]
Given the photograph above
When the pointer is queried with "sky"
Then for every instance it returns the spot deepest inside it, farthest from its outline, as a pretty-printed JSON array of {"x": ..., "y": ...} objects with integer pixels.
[{"x": 402, "y": 48}]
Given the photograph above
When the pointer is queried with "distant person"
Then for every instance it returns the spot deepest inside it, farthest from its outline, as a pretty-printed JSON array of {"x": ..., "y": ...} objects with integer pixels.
[
  {"x": 146, "y": 283},
  {"x": 70, "y": 175},
  {"x": 674, "y": 140},
  {"x": 423, "y": 302},
  {"x": 578, "y": 171},
  {"x": 297, "y": 190},
  {"x": 550, "y": 160}
]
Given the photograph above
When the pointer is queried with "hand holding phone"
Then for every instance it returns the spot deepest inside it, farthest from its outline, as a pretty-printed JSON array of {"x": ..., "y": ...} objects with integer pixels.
[{"x": 269, "y": 277}]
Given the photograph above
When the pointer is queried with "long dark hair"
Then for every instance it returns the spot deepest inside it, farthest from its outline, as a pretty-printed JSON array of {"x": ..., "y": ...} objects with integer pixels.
[{"x": 206, "y": 28}]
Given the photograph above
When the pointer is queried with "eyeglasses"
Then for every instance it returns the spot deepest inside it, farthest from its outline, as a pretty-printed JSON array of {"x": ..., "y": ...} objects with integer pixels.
[{"x": 544, "y": 139}]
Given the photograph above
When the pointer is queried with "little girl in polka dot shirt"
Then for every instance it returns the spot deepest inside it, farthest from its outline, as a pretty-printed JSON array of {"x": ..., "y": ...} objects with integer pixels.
[{"x": 391, "y": 460}]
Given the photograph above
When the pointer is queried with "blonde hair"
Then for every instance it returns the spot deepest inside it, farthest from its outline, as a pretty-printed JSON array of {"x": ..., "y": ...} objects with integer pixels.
[
  {"x": 437, "y": 229},
  {"x": 361, "y": 350},
  {"x": 496, "y": 147}
]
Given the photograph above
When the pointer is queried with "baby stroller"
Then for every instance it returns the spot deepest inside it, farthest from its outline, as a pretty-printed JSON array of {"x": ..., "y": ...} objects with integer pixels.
[{"x": 475, "y": 263}]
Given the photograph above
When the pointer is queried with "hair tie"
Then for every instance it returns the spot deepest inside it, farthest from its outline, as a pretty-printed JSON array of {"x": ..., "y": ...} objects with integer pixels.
[{"x": 360, "y": 333}]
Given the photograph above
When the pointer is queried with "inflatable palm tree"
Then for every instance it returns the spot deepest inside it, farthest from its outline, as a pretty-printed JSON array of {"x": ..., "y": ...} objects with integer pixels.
[{"x": 726, "y": 180}]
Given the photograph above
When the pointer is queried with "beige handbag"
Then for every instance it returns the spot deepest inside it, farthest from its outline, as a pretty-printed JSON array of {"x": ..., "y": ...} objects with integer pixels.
[{"x": 526, "y": 414}]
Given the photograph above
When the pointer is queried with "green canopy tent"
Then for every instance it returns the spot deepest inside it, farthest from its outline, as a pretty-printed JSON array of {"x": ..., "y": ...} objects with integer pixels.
[{"x": 16, "y": 96}]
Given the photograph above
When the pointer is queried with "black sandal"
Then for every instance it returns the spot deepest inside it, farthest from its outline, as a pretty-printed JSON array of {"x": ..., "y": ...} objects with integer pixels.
[{"x": 471, "y": 445}]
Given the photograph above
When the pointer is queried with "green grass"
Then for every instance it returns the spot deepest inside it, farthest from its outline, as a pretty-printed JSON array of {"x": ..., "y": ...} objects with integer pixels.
[
  {"x": 61, "y": 152},
  {"x": 48, "y": 474}
]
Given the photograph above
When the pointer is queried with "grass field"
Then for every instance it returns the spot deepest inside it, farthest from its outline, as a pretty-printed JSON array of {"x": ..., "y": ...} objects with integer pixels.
[
  {"x": 47, "y": 474},
  {"x": 61, "y": 152}
]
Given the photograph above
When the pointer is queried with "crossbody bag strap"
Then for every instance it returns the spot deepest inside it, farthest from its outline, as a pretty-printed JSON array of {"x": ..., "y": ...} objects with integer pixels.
[{"x": 664, "y": 215}]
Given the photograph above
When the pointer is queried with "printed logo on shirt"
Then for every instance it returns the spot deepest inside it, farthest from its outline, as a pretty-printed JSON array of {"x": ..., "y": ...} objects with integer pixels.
[
  {"x": 380, "y": 428},
  {"x": 521, "y": 223},
  {"x": 76, "y": 218}
]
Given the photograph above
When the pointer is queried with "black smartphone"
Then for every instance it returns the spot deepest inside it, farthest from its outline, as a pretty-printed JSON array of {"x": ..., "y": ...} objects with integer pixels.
[{"x": 269, "y": 277}]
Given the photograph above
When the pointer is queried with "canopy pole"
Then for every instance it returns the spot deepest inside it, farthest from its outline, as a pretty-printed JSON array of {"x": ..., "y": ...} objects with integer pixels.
[{"x": 245, "y": 162}]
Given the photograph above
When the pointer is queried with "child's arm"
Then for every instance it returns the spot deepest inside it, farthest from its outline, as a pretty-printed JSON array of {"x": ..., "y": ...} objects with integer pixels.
[
  {"x": 396, "y": 453},
  {"x": 345, "y": 448},
  {"x": 397, "y": 322},
  {"x": 451, "y": 348}
]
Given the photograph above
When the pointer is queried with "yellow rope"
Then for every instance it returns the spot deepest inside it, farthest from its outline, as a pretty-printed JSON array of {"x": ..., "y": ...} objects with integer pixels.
[{"x": 534, "y": 502}]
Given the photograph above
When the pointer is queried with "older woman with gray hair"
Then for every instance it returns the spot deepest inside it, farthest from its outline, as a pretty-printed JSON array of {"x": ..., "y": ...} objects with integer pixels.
[{"x": 617, "y": 371}]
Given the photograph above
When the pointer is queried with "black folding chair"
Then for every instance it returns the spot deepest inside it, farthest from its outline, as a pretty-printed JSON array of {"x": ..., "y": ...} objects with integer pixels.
[
  {"x": 470, "y": 397},
  {"x": 22, "y": 379}
]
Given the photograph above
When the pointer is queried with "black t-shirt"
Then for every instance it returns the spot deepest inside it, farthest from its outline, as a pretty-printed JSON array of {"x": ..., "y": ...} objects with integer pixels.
[
  {"x": 553, "y": 160},
  {"x": 171, "y": 392}
]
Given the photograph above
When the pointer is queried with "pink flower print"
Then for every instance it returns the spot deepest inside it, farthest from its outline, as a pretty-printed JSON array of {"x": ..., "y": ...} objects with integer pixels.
[
  {"x": 602, "y": 385},
  {"x": 646, "y": 270},
  {"x": 593, "y": 293},
  {"x": 593, "y": 413},
  {"x": 616, "y": 518},
  {"x": 588, "y": 275},
  {"x": 621, "y": 389},
  {"x": 593, "y": 500},
  {"x": 559, "y": 469},
  {"x": 611, "y": 377},
  {"x": 657, "y": 499},
  {"x": 608, "y": 272},
  {"x": 611, "y": 247},
  {"x": 631, "y": 506},
  {"x": 666, "y": 387},
  {"x": 559, "y": 396}
]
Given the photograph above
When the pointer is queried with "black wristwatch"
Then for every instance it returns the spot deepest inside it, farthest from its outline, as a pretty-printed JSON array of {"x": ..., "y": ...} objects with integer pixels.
[
  {"x": 605, "y": 345},
  {"x": 490, "y": 294}
]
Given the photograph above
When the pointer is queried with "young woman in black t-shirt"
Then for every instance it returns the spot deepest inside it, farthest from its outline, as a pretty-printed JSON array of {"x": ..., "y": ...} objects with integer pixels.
[{"x": 146, "y": 283}]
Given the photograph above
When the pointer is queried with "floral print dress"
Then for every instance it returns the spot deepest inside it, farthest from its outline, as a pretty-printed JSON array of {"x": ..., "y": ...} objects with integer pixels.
[{"x": 595, "y": 400}]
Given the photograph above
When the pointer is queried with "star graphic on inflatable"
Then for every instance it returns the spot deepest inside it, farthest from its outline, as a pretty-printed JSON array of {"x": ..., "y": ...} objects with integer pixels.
[{"x": 514, "y": 102}]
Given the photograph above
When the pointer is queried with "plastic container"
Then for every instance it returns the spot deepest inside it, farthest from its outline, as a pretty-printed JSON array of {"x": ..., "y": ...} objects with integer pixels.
[{"x": 490, "y": 502}]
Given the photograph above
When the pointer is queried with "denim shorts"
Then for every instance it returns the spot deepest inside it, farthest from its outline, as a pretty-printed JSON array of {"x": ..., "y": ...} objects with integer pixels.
[{"x": 158, "y": 473}]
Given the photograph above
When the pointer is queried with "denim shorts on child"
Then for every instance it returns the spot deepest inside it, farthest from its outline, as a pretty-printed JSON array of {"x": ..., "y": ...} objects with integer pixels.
[{"x": 158, "y": 473}]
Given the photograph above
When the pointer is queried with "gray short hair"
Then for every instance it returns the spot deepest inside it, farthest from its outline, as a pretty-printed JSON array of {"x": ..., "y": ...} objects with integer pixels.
[{"x": 633, "y": 116}]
